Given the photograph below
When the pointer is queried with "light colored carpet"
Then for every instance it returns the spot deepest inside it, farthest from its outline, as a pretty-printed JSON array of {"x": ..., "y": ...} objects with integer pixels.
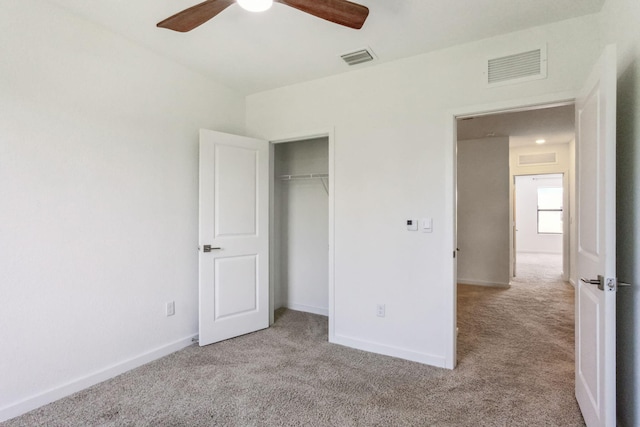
[
  {"x": 537, "y": 269},
  {"x": 515, "y": 369}
]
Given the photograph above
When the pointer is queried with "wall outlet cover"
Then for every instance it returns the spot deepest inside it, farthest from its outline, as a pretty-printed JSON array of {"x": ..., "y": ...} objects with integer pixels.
[{"x": 171, "y": 308}]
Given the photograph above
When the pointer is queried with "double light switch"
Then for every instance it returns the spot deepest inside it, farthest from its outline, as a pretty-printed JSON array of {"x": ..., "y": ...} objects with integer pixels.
[{"x": 423, "y": 224}]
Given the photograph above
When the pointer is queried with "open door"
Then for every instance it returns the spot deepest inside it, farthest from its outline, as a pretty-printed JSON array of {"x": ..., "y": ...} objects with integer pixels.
[
  {"x": 595, "y": 354},
  {"x": 233, "y": 235}
]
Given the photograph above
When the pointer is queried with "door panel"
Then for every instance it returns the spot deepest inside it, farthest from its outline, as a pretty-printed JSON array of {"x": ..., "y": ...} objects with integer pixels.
[
  {"x": 234, "y": 204},
  {"x": 236, "y": 285},
  {"x": 588, "y": 369},
  {"x": 236, "y": 191},
  {"x": 595, "y": 306},
  {"x": 589, "y": 190}
]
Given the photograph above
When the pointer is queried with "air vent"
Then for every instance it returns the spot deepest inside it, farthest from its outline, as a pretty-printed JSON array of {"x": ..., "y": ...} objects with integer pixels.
[
  {"x": 537, "y": 159},
  {"x": 519, "y": 67},
  {"x": 357, "y": 57}
]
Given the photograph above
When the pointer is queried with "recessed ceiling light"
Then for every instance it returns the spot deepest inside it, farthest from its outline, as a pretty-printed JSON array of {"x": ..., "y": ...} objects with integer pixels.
[
  {"x": 255, "y": 5},
  {"x": 540, "y": 141}
]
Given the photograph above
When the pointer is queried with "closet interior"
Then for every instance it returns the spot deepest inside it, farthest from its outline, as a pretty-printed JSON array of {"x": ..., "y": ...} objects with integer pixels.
[{"x": 301, "y": 225}]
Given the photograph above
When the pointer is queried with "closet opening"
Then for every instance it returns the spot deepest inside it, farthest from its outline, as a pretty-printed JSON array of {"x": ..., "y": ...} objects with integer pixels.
[{"x": 300, "y": 226}]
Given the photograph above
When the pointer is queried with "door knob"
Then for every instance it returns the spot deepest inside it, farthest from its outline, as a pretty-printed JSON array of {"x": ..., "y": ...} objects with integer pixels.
[
  {"x": 208, "y": 248},
  {"x": 599, "y": 281}
]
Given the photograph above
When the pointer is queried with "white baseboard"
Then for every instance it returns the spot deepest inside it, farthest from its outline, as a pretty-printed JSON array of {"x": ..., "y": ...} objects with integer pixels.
[
  {"x": 401, "y": 353},
  {"x": 309, "y": 309},
  {"x": 483, "y": 283},
  {"x": 572, "y": 282},
  {"x": 33, "y": 402}
]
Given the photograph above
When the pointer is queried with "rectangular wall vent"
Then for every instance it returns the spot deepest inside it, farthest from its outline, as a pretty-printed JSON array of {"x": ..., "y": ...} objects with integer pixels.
[
  {"x": 519, "y": 67},
  {"x": 537, "y": 159},
  {"x": 357, "y": 57}
]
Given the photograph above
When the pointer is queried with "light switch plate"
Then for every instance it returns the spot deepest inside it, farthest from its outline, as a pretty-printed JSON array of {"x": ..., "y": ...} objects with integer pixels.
[
  {"x": 171, "y": 308},
  {"x": 426, "y": 225}
]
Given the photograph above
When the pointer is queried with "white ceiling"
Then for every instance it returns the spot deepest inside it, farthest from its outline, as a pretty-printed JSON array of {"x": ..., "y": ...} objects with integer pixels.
[
  {"x": 555, "y": 125},
  {"x": 254, "y": 52}
]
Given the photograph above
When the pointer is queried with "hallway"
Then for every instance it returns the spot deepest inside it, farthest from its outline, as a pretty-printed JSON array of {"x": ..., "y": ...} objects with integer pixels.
[{"x": 538, "y": 269}]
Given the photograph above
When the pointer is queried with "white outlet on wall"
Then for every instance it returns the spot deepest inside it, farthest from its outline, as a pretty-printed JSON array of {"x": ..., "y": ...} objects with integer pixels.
[
  {"x": 380, "y": 310},
  {"x": 171, "y": 308}
]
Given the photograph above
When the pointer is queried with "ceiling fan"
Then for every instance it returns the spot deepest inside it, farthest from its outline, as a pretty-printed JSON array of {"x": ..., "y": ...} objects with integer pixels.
[{"x": 341, "y": 12}]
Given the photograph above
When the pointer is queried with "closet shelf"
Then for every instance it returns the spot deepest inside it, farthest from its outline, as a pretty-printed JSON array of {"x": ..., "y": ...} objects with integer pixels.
[
  {"x": 304, "y": 176},
  {"x": 320, "y": 176}
]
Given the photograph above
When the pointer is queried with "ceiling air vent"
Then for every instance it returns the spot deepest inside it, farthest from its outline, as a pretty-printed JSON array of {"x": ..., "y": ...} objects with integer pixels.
[
  {"x": 357, "y": 57},
  {"x": 518, "y": 67},
  {"x": 537, "y": 159}
]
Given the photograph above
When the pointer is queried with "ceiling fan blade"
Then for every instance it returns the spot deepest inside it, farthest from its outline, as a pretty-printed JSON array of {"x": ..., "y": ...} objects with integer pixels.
[
  {"x": 341, "y": 12},
  {"x": 196, "y": 15}
]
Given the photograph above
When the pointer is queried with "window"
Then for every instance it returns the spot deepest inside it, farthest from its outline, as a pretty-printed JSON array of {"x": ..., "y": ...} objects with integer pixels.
[{"x": 550, "y": 210}]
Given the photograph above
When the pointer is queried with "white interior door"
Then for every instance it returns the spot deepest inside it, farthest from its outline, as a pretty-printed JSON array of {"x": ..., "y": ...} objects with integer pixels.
[
  {"x": 234, "y": 238},
  {"x": 595, "y": 356}
]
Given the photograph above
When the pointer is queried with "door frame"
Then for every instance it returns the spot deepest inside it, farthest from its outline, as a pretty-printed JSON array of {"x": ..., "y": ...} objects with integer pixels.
[
  {"x": 451, "y": 139},
  {"x": 566, "y": 218},
  {"x": 299, "y": 137}
]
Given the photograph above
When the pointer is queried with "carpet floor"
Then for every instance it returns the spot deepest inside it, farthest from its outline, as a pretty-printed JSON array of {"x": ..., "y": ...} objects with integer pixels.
[{"x": 515, "y": 354}]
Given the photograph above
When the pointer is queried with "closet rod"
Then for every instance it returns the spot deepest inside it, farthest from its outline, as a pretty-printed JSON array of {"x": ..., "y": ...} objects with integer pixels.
[
  {"x": 304, "y": 176},
  {"x": 320, "y": 176}
]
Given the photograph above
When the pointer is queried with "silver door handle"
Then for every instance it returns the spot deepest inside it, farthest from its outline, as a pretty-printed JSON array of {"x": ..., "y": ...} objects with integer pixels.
[
  {"x": 599, "y": 281},
  {"x": 612, "y": 284},
  {"x": 208, "y": 248}
]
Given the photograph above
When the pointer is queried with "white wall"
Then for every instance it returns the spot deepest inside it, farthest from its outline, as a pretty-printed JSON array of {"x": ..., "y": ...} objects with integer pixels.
[
  {"x": 98, "y": 190},
  {"x": 302, "y": 227},
  {"x": 527, "y": 237},
  {"x": 483, "y": 211},
  {"x": 393, "y": 161},
  {"x": 620, "y": 25}
]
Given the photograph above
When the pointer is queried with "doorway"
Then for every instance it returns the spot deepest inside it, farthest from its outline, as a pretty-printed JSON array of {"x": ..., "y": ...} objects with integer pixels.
[
  {"x": 504, "y": 144},
  {"x": 300, "y": 225},
  {"x": 539, "y": 217}
]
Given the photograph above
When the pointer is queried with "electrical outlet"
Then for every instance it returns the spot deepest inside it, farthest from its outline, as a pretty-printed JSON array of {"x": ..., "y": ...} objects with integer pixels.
[
  {"x": 171, "y": 308},
  {"x": 380, "y": 310}
]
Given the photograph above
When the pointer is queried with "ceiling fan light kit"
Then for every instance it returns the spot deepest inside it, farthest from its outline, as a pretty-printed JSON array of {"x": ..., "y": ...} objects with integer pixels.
[
  {"x": 255, "y": 5},
  {"x": 341, "y": 12}
]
